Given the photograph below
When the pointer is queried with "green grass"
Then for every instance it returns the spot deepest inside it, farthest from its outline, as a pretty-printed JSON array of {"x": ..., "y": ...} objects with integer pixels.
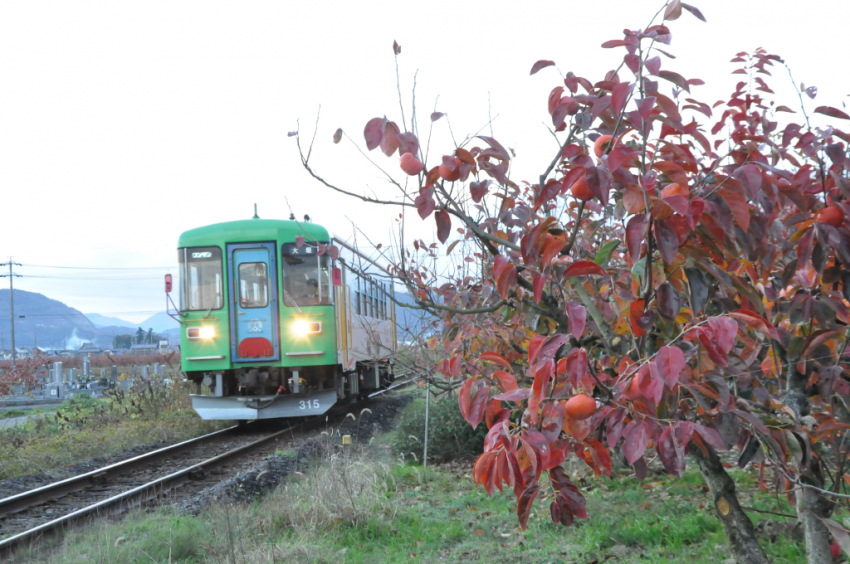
[
  {"x": 82, "y": 428},
  {"x": 10, "y": 413},
  {"x": 432, "y": 516}
]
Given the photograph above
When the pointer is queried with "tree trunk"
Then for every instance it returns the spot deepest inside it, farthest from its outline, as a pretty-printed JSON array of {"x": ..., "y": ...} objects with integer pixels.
[
  {"x": 811, "y": 504},
  {"x": 737, "y": 526}
]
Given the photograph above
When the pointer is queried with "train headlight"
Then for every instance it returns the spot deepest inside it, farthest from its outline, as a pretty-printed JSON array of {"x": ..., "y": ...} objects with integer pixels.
[
  {"x": 203, "y": 332},
  {"x": 303, "y": 328}
]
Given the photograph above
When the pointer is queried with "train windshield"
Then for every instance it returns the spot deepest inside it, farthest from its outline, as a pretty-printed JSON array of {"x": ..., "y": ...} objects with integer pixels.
[
  {"x": 200, "y": 279},
  {"x": 306, "y": 275}
]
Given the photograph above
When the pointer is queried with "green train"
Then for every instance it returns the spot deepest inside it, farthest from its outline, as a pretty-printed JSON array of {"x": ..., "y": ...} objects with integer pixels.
[{"x": 278, "y": 319}]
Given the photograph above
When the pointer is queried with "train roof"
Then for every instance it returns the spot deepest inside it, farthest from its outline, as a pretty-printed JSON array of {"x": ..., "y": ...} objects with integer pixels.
[{"x": 250, "y": 230}]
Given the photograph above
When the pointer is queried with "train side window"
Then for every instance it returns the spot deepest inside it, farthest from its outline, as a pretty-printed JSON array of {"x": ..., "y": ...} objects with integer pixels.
[
  {"x": 201, "y": 278},
  {"x": 253, "y": 284}
]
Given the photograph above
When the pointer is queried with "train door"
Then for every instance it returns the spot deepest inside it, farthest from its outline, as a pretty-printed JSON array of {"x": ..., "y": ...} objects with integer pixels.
[{"x": 254, "y": 330}]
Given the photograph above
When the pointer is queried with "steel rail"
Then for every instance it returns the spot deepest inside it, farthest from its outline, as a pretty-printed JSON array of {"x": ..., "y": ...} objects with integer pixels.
[
  {"x": 37, "y": 496},
  {"x": 155, "y": 488},
  {"x": 145, "y": 492}
]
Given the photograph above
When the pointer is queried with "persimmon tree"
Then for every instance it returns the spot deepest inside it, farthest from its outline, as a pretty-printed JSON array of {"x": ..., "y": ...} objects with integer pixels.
[
  {"x": 26, "y": 376},
  {"x": 674, "y": 283}
]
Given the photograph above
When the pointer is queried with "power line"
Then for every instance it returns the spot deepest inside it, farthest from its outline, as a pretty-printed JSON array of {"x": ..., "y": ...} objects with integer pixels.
[
  {"x": 87, "y": 314},
  {"x": 150, "y": 277},
  {"x": 103, "y": 267}
]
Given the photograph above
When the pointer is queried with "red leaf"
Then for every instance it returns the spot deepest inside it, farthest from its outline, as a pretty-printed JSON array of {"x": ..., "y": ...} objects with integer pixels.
[
  {"x": 506, "y": 380},
  {"x": 538, "y": 282},
  {"x": 706, "y": 337},
  {"x": 542, "y": 375},
  {"x": 757, "y": 322},
  {"x": 424, "y": 203},
  {"x": 517, "y": 395},
  {"x": 750, "y": 176},
  {"x": 667, "y": 365},
  {"x": 534, "y": 347},
  {"x": 551, "y": 248},
  {"x": 673, "y": 10},
  {"x": 668, "y": 241},
  {"x": 620, "y": 96},
  {"x": 396, "y": 48},
  {"x": 497, "y": 147},
  {"x": 476, "y": 409},
  {"x": 578, "y": 317},
  {"x": 738, "y": 206},
  {"x": 710, "y": 436},
  {"x": 653, "y": 65},
  {"x": 444, "y": 225},
  {"x": 478, "y": 190},
  {"x": 390, "y": 140},
  {"x": 374, "y": 132},
  {"x": 497, "y": 358},
  {"x": 542, "y": 64},
  {"x": 678, "y": 204},
  {"x": 831, "y": 112},
  {"x": 524, "y": 502},
  {"x": 584, "y": 268},
  {"x": 725, "y": 331},
  {"x": 601, "y": 456},
  {"x": 676, "y": 79},
  {"x": 567, "y": 106},
  {"x": 635, "y": 440},
  {"x": 635, "y": 312},
  {"x": 634, "y": 237},
  {"x": 436, "y": 115},
  {"x": 693, "y": 10},
  {"x": 408, "y": 143},
  {"x": 651, "y": 388},
  {"x": 619, "y": 155},
  {"x": 554, "y": 98},
  {"x": 576, "y": 366},
  {"x": 338, "y": 136},
  {"x": 492, "y": 415},
  {"x": 671, "y": 453},
  {"x": 507, "y": 280},
  {"x": 463, "y": 397}
]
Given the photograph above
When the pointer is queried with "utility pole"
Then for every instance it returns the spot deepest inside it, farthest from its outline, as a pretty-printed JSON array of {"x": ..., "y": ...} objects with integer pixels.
[{"x": 11, "y": 275}]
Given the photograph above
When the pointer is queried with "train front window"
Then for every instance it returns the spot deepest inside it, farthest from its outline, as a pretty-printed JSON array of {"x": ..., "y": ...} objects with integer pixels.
[
  {"x": 253, "y": 284},
  {"x": 306, "y": 275},
  {"x": 200, "y": 279}
]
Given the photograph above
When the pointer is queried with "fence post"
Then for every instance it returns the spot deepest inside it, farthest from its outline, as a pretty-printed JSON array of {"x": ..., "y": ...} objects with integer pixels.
[{"x": 427, "y": 405}]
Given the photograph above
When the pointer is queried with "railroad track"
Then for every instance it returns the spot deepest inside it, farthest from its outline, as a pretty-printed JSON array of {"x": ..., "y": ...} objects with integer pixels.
[{"x": 130, "y": 483}]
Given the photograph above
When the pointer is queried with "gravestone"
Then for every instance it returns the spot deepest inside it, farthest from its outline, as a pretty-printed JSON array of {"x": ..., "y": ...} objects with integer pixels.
[{"x": 145, "y": 371}]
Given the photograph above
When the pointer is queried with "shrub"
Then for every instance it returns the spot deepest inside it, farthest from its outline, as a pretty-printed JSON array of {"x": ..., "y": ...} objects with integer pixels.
[{"x": 449, "y": 435}]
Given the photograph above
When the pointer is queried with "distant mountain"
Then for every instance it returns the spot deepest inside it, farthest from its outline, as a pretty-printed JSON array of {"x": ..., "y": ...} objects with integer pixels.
[
  {"x": 412, "y": 323},
  {"x": 104, "y": 321},
  {"x": 159, "y": 322},
  {"x": 40, "y": 319}
]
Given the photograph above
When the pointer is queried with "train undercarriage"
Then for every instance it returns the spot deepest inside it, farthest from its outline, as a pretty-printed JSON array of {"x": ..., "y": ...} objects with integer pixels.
[{"x": 269, "y": 392}]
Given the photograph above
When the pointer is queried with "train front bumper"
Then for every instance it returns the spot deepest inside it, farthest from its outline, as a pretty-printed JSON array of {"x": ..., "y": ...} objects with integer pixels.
[{"x": 266, "y": 407}]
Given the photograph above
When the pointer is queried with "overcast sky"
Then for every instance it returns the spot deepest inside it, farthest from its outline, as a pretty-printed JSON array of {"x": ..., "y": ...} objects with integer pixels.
[{"x": 123, "y": 124}]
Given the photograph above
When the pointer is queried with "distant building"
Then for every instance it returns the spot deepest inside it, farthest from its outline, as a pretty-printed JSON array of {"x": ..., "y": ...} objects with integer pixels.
[
  {"x": 145, "y": 348},
  {"x": 88, "y": 348},
  {"x": 40, "y": 352}
]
